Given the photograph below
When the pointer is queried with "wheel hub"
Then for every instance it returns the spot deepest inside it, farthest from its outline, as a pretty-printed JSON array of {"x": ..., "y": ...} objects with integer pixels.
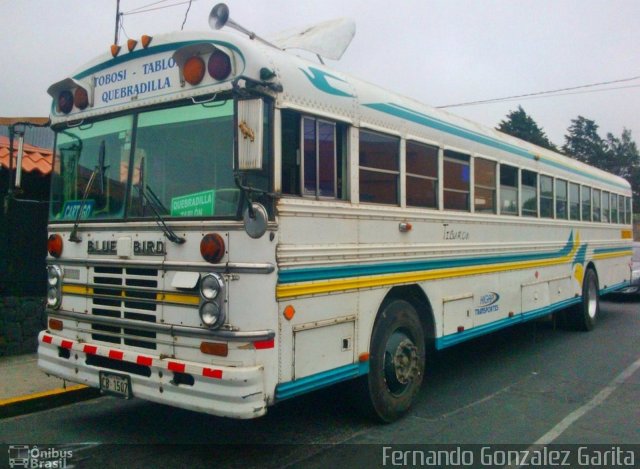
[{"x": 405, "y": 361}]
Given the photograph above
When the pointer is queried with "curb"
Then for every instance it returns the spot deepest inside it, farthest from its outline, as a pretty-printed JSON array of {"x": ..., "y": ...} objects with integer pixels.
[{"x": 46, "y": 400}]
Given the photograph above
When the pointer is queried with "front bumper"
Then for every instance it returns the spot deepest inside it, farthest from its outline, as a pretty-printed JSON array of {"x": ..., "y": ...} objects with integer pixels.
[{"x": 236, "y": 392}]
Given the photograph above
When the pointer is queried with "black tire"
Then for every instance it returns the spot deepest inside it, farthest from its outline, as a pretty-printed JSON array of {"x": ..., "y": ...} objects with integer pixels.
[
  {"x": 396, "y": 363},
  {"x": 584, "y": 316}
]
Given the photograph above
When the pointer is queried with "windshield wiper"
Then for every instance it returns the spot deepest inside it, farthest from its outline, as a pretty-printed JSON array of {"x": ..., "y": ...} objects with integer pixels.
[
  {"x": 99, "y": 171},
  {"x": 156, "y": 205}
]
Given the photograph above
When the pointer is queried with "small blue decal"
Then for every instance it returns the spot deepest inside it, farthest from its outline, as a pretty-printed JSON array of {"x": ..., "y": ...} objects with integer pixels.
[{"x": 318, "y": 78}]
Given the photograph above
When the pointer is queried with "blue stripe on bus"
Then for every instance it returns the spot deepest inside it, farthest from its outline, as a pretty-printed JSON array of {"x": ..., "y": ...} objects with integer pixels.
[
  {"x": 343, "y": 373},
  {"x": 434, "y": 123},
  {"x": 609, "y": 250},
  {"x": 458, "y": 337},
  {"x": 321, "y": 380},
  {"x": 347, "y": 271}
]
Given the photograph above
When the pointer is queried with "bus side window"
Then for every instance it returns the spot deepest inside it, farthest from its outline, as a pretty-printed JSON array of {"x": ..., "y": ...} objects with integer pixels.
[
  {"x": 457, "y": 181},
  {"x": 595, "y": 202},
  {"x": 529, "y": 183},
  {"x": 606, "y": 213},
  {"x": 290, "y": 153},
  {"x": 508, "y": 190},
  {"x": 313, "y": 156}
]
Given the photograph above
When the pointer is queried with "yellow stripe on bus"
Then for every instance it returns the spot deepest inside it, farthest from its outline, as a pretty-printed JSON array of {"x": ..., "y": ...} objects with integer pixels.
[
  {"x": 161, "y": 297},
  {"x": 611, "y": 255},
  {"x": 179, "y": 298},
  {"x": 343, "y": 284},
  {"x": 81, "y": 290}
]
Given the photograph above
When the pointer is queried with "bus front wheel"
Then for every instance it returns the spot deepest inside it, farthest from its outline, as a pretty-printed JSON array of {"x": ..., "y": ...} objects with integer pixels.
[{"x": 396, "y": 364}]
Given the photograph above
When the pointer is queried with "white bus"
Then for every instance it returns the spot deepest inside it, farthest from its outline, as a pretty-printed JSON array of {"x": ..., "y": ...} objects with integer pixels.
[{"x": 232, "y": 225}]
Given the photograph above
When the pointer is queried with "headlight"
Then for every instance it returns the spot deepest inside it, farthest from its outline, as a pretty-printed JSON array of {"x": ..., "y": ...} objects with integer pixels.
[
  {"x": 54, "y": 275},
  {"x": 211, "y": 286},
  {"x": 54, "y": 289},
  {"x": 211, "y": 314}
]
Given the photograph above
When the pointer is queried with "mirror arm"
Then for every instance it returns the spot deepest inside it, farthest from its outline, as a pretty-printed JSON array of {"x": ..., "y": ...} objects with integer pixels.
[
  {"x": 248, "y": 191},
  {"x": 274, "y": 87}
]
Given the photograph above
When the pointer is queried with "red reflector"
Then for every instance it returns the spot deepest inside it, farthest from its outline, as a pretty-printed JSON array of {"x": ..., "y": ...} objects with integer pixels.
[
  {"x": 193, "y": 70},
  {"x": 116, "y": 355},
  {"x": 219, "y": 65},
  {"x": 90, "y": 349},
  {"x": 215, "y": 348},
  {"x": 65, "y": 101},
  {"x": 142, "y": 360},
  {"x": 66, "y": 344},
  {"x": 209, "y": 373},
  {"x": 177, "y": 367},
  {"x": 264, "y": 344},
  {"x": 460, "y": 328},
  {"x": 80, "y": 98},
  {"x": 212, "y": 248},
  {"x": 54, "y": 245},
  {"x": 55, "y": 324},
  {"x": 47, "y": 339}
]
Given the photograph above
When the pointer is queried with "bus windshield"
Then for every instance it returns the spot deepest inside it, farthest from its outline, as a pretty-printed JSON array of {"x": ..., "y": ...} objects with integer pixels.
[{"x": 177, "y": 162}]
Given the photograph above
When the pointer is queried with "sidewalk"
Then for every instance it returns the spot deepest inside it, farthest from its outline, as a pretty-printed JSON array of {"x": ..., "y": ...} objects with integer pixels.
[{"x": 24, "y": 388}]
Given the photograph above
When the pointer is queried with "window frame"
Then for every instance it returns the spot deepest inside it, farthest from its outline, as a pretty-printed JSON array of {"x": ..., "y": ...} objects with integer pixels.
[
  {"x": 372, "y": 169},
  {"x": 476, "y": 185},
  {"x": 317, "y": 193},
  {"x": 463, "y": 159}
]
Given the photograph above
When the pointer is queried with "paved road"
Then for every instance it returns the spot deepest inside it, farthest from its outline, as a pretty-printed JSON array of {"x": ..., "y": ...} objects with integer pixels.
[{"x": 530, "y": 384}]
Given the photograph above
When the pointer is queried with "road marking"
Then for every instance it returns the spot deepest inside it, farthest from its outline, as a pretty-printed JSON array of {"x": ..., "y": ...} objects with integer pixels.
[
  {"x": 599, "y": 398},
  {"x": 38, "y": 395},
  {"x": 478, "y": 402},
  {"x": 566, "y": 422}
]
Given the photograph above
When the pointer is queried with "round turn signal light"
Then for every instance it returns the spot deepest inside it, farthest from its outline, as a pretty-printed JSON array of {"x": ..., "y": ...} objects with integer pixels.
[
  {"x": 54, "y": 245},
  {"x": 212, "y": 248}
]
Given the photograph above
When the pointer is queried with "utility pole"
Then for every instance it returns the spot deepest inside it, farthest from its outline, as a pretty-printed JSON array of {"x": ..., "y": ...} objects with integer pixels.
[{"x": 117, "y": 21}]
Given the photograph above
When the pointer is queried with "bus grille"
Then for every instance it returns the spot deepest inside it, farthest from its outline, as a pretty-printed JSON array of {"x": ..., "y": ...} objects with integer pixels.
[{"x": 126, "y": 293}]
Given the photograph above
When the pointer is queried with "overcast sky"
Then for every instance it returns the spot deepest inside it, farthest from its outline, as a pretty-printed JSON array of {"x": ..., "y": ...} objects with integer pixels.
[{"x": 438, "y": 51}]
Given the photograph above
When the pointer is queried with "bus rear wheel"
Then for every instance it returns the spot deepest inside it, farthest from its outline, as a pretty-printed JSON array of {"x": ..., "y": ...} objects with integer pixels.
[
  {"x": 396, "y": 364},
  {"x": 583, "y": 316}
]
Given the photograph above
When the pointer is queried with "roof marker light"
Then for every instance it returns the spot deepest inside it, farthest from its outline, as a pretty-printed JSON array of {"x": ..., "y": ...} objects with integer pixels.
[
  {"x": 65, "y": 101},
  {"x": 219, "y": 65},
  {"x": 131, "y": 44},
  {"x": 80, "y": 98},
  {"x": 115, "y": 49},
  {"x": 193, "y": 70},
  {"x": 146, "y": 40}
]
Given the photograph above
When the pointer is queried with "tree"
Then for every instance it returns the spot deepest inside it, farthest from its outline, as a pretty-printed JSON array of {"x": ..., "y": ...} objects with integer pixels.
[
  {"x": 622, "y": 154},
  {"x": 619, "y": 156},
  {"x": 519, "y": 124},
  {"x": 584, "y": 144},
  {"x": 623, "y": 159}
]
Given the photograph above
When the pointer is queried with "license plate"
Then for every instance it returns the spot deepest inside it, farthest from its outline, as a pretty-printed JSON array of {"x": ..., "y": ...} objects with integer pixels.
[{"x": 116, "y": 385}]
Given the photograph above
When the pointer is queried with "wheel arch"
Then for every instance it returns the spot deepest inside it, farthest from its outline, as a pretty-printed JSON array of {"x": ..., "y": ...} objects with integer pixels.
[{"x": 415, "y": 295}]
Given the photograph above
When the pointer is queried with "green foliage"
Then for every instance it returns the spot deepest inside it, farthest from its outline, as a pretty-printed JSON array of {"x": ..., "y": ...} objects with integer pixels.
[
  {"x": 584, "y": 144},
  {"x": 519, "y": 124},
  {"x": 619, "y": 156}
]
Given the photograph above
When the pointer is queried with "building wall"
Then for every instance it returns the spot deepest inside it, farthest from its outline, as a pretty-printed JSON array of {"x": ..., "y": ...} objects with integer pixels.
[{"x": 21, "y": 319}]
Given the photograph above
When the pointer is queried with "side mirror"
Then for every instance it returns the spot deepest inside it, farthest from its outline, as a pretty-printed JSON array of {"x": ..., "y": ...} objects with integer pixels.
[{"x": 250, "y": 125}]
